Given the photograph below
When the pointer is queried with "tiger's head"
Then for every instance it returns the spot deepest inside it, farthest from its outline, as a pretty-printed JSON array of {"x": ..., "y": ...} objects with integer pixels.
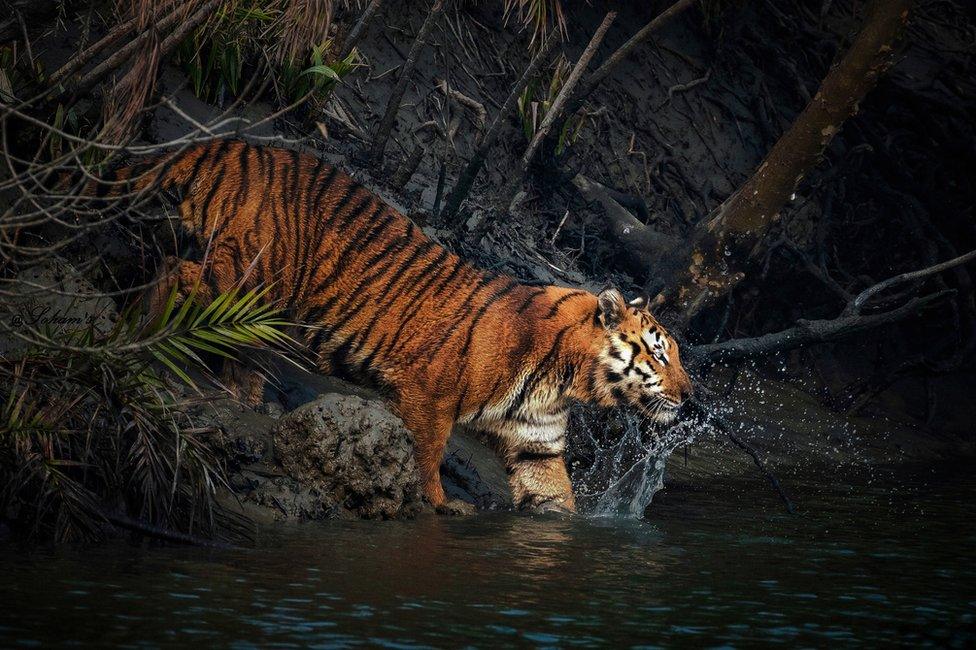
[{"x": 638, "y": 363}]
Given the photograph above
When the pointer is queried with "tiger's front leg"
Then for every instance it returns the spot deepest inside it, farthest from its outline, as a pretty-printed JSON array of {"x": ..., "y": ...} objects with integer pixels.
[
  {"x": 540, "y": 482},
  {"x": 431, "y": 427}
]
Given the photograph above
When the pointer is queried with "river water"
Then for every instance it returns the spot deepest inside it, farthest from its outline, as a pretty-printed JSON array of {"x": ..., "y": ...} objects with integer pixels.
[{"x": 872, "y": 561}]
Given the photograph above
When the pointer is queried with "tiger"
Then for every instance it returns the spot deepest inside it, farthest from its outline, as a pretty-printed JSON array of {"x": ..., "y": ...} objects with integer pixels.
[{"x": 448, "y": 344}]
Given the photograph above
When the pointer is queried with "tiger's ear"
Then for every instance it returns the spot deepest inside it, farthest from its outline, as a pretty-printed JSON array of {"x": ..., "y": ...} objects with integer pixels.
[{"x": 611, "y": 307}]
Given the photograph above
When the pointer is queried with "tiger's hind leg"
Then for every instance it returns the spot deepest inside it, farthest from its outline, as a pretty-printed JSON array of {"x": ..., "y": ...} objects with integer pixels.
[{"x": 242, "y": 381}]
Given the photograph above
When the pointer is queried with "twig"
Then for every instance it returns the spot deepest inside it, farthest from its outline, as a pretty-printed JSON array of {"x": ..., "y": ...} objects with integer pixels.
[
  {"x": 697, "y": 411},
  {"x": 552, "y": 242},
  {"x": 396, "y": 97},
  {"x": 749, "y": 449},
  {"x": 464, "y": 100},
  {"x": 466, "y": 179},
  {"x": 357, "y": 31},
  {"x": 567, "y": 90},
  {"x": 858, "y": 303}
]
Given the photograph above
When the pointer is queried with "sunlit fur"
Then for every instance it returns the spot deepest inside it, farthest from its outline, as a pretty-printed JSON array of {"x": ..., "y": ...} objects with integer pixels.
[{"x": 447, "y": 343}]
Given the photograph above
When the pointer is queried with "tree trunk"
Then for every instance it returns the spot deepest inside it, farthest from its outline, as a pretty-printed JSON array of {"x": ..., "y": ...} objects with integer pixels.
[{"x": 701, "y": 272}]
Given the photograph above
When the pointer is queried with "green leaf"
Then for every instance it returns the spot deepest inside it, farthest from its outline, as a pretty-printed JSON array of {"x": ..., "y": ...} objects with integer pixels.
[{"x": 322, "y": 70}]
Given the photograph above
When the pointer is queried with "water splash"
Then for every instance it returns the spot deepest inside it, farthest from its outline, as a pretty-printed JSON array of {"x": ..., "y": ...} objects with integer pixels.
[{"x": 620, "y": 476}]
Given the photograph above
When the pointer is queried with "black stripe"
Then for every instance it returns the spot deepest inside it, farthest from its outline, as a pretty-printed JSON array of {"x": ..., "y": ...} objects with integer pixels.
[
  {"x": 633, "y": 360},
  {"x": 560, "y": 301},
  {"x": 304, "y": 265},
  {"x": 340, "y": 259},
  {"x": 215, "y": 183},
  {"x": 382, "y": 271},
  {"x": 106, "y": 184},
  {"x": 533, "y": 456},
  {"x": 538, "y": 373},
  {"x": 498, "y": 295},
  {"x": 487, "y": 402},
  {"x": 324, "y": 187},
  {"x": 528, "y": 301},
  {"x": 461, "y": 313},
  {"x": 357, "y": 299},
  {"x": 343, "y": 201},
  {"x": 416, "y": 300},
  {"x": 458, "y": 264}
]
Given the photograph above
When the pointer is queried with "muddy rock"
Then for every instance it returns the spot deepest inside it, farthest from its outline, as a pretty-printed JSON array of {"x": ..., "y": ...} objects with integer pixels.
[{"x": 354, "y": 454}]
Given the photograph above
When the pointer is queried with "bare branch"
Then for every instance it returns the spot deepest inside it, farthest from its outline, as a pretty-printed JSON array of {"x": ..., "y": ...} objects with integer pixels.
[
  {"x": 467, "y": 176},
  {"x": 567, "y": 90},
  {"x": 859, "y": 302},
  {"x": 396, "y": 97}
]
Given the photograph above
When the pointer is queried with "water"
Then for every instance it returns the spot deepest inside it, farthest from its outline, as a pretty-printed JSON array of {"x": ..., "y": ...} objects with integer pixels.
[
  {"x": 625, "y": 472},
  {"x": 875, "y": 563}
]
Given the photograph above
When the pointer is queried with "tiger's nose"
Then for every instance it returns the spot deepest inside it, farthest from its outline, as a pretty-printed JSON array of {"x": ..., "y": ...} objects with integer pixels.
[{"x": 686, "y": 391}]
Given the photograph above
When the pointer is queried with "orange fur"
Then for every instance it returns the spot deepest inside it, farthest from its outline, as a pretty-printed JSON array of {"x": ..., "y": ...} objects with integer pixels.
[{"x": 447, "y": 342}]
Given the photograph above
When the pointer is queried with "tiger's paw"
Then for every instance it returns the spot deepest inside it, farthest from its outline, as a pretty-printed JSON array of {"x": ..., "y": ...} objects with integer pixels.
[
  {"x": 456, "y": 508},
  {"x": 549, "y": 506}
]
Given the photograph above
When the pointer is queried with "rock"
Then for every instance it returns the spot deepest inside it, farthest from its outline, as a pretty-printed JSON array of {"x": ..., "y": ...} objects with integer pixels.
[
  {"x": 55, "y": 298},
  {"x": 354, "y": 456},
  {"x": 473, "y": 473},
  {"x": 339, "y": 454}
]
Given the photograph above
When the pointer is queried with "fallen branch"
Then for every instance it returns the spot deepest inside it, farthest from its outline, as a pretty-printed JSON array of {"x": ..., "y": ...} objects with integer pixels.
[
  {"x": 468, "y": 102},
  {"x": 567, "y": 90},
  {"x": 851, "y": 320},
  {"x": 77, "y": 61},
  {"x": 749, "y": 449},
  {"x": 99, "y": 72},
  {"x": 636, "y": 239},
  {"x": 164, "y": 534},
  {"x": 396, "y": 97},
  {"x": 809, "y": 331},
  {"x": 858, "y": 303},
  {"x": 470, "y": 172}
]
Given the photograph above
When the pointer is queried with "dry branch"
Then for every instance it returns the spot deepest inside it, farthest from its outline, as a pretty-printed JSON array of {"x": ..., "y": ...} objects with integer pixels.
[
  {"x": 596, "y": 78},
  {"x": 470, "y": 172},
  {"x": 99, "y": 72},
  {"x": 861, "y": 299},
  {"x": 396, "y": 97},
  {"x": 638, "y": 241},
  {"x": 481, "y": 114},
  {"x": 356, "y": 33},
  {"x": 851, "y": 320},
  {"x": 567, "y": 90}
]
